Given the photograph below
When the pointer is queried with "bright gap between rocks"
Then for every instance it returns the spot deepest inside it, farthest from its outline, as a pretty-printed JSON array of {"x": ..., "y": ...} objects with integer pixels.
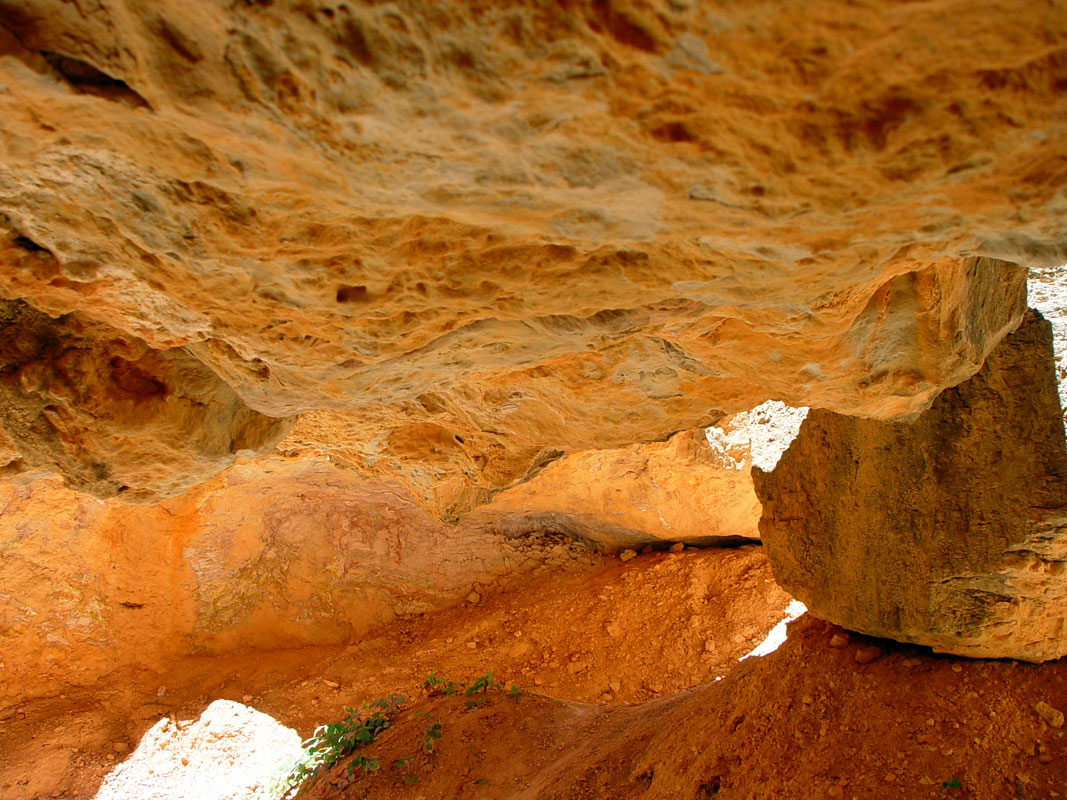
[
  {"x": 231, "y": 752},
  {"x": 1046, "y": 290},
  {"x": 757, "y": 437},
  {"x": 776, "y": 637}
]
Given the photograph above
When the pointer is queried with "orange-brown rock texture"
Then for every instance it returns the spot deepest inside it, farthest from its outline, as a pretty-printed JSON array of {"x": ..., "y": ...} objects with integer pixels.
[
  {"x": 269, "y": 554},
  {"x": 949, "y": 532},
  {"x": 471, "y": 236}
]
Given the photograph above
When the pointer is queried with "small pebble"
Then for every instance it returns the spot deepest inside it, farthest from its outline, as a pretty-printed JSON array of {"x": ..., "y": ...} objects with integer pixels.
[
  {"x": 677, "y": 547},
  {"x": 1052, "y": 716},
  {"x": 626, "y": 555},
  {"x": 839, "y": 641},
  {"x": 868, "y": 655}
]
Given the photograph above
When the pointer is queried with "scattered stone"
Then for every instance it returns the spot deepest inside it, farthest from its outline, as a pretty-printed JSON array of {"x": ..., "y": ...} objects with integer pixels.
[
  {"x": 868, "y": 655},
  {"x": 474, "y": 598},
  {"x": 120, "y": 747},
  {"x": 677, "y": 547},
  {"x": 839, "y": 641},
  {"x": 614, "y": 630},
  {"x": 626, "y": 555},
  {"x": 331, "y": 684},
  {"x": 1052, "y": 716}
]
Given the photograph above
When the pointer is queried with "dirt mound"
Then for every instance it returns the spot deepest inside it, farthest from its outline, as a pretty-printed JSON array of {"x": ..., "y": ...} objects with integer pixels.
[{"x": 827, "y": 715}]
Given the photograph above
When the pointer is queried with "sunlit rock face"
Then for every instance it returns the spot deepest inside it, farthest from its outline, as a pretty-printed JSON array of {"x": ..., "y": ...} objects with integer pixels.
[
  {"x": 472, "y": 236},
  {"x": 949, "y": 532},
  {"x": 680, "y": 490}
]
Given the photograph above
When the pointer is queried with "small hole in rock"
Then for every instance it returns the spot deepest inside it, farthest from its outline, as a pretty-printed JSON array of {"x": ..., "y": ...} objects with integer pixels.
[{"x": 351, "y": 294}]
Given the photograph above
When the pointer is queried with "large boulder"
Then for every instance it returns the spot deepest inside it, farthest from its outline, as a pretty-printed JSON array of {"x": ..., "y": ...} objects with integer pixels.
[{"x": 950, "y": 531}]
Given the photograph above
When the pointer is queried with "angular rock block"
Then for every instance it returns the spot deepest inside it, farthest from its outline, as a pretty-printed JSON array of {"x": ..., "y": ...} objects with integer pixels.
[{"x": 950, "y": 531}]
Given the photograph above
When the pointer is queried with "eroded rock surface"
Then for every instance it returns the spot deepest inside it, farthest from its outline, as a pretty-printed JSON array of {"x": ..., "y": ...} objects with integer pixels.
[
  {"x": 479, "y": 235},
  {"x": 950, "y": 532},
  {"x": 114, "y": 416}
]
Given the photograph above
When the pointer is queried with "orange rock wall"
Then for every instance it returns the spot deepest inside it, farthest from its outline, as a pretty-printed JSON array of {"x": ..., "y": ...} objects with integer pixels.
[
  {"x": 270, "y": 554},
  {"x": 480, "y": 234}
]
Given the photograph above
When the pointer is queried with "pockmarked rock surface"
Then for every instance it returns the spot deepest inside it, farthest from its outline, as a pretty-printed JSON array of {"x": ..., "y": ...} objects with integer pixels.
[
  {"x": 477, "y": 235},
  {"x": 949, "y": 532},
  {"x": 114, "y": 416}
]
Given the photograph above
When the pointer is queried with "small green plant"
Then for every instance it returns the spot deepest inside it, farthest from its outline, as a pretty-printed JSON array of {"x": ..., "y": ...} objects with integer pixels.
[
  {"x": 362, "y": 762},
  {"x": 952, "y": 783},
  {"x": 514, "y": 692},
  {"x": 411, "y": 779},
  {"x": 483, "y": 684},
  {"x": 337, "y": 740},
  {"x": 434, "y": 685},
  {"x": 430, "y": 736}
]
